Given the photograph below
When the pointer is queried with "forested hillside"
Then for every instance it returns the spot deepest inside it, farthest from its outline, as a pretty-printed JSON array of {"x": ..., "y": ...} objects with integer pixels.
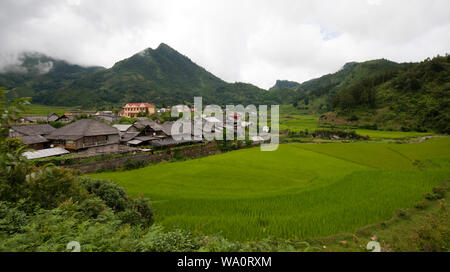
[
  {"x": 317, "y": 94},
  {"x": 280, "y": 84},
  {"x": 415, "y": 97},
  {"x": 37, "y": 75},
  {"x": 161, "y": 76}
]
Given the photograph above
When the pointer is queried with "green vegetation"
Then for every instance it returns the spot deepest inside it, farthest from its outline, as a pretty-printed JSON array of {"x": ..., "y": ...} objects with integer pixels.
[
  {"x": 161, "y": 76},
  {"x": 317, "y": 94},
  {"x": 40, "y": 76},
  {"x": 44, "y": 110},
  {"x": 378, "y": 94},
  {"x": 325, "y": 189},
  {"x": 413, "y": 98},
  {"x": 296, "y": 121},
  {"x": 280, "y": 84},
  {"x": 425, "y": 227},
  {"x": 44, "y": 208}
]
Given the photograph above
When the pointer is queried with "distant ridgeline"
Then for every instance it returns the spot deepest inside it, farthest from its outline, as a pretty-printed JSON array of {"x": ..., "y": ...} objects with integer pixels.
[
  {"x": 383, "y": 94},
  {"x": 284, "y": 84},
  {"x": 161, "y": 76},
  {"x": 380, "y": 93},
  {"x": 413, "y": 97}
]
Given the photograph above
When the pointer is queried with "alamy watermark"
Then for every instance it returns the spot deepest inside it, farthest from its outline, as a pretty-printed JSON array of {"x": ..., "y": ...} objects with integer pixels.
[{"x": 235, "y": 123}]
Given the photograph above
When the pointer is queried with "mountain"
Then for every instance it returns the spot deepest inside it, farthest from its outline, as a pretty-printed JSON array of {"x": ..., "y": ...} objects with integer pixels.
[
  {"x": 280, "y": 84},
  {"x": 415, "y": 97},
  {"x": 378, "y": 93},
  {"x": 161, "y": 76},
  {"x": 318, "y": 93},
  {"x": 35, "y": 73}
]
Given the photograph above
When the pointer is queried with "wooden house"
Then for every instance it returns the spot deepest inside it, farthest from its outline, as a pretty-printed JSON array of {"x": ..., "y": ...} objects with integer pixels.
[{"x": 85, "y": 134}]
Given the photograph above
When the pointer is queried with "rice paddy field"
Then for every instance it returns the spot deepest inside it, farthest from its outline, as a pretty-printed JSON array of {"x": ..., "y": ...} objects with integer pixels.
[
  {"x": 301, "y": 122},
  {"x": 299, "y": 191},
  {"x": 44, "y": 110}
]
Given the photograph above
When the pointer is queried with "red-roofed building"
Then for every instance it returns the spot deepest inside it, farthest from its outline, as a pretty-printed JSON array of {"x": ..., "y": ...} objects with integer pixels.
[{"x": 133, "y": 110}]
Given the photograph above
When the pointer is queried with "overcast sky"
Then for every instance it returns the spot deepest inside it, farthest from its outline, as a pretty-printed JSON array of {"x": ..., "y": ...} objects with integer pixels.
[{"x": 244, "y": 40}]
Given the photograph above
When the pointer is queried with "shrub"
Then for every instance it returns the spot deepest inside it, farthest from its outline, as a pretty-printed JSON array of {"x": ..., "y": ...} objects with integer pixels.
[
  {"x": 12, "y": 220},
  {"x": 51, "y": 187},
  {"x": 144, "y": 208},
  {"x": 114, "y": 196},
  {"x": 92, "y": 207},
  {"x": 435, "y": 235},
  {"x": 131, "y": 164},
  {"x": 156, "y": 240}
]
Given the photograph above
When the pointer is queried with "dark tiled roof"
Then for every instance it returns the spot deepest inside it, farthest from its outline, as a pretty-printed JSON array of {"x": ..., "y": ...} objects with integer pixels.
[
  {"x": 52, "y": 117},
  {"x": 167, "y": 128},
  {"x": 35, "y": 139},
  {"x": 82, "y": 128},
  {"x": 129, "y": 136},
  {"x": 144, "y": 123},
  {"x": 70, "y": 117},
  {"x": 146, "y": 138},
  {"x": 34, "y": 129}
]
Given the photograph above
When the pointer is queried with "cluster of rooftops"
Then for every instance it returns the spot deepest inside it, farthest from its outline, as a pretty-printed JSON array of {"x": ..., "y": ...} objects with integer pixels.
[{"x": 97, "y": 136}]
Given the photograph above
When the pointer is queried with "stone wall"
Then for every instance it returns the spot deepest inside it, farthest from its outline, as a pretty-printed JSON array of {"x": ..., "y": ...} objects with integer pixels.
[{"x": 189, "y": 152}]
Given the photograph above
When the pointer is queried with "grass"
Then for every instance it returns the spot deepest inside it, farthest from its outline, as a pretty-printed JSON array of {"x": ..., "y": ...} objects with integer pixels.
[
  {"x": 299, "y": 191},
  {"x": 380, "y": 134},
  {"x": 300, "y": 120},
  {"x": 424, "y": 227},
  {"x": 43, "y": 110}
]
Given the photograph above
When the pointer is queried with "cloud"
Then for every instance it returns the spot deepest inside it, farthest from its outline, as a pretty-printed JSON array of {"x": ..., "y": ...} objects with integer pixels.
[{"x": 250, "y": 41}]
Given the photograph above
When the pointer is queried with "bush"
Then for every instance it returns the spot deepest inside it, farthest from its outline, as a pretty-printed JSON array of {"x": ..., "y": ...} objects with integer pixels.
[
  {"x": 131, "y": 164},
  {"x": 92, "y": 207},
  {"x": 144, "y": 208},
  {"x": 156, "y": 240},
  {"x": 341, "y": 134},
  {"x": 52, "y": 187},
  {"x": 435, "y": 235},
  {"x": 114, "y": 196},
  {"x": 12, "y": 220}
]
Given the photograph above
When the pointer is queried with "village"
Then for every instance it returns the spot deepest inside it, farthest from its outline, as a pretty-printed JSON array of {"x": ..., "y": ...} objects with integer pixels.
[{"x": 91, "y": 133}]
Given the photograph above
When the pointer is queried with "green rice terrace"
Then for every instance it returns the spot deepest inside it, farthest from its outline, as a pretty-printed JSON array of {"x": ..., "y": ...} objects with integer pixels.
[{"x": 299, "y": 191}]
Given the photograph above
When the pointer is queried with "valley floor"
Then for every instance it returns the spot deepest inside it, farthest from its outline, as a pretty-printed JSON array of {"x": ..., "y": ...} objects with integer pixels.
[{"x": 300, "y": 191}]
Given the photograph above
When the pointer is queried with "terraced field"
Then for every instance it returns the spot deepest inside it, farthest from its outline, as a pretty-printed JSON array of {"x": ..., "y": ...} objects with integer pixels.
[{"x": 300, "y": 190}]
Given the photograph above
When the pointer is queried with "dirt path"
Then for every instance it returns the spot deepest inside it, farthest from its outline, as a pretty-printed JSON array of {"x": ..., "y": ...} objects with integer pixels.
[{"x": 423, "y": 139}]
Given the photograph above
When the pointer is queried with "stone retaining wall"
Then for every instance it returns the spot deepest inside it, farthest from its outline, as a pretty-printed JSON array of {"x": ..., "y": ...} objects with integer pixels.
[{"x": 189, "y": 152}]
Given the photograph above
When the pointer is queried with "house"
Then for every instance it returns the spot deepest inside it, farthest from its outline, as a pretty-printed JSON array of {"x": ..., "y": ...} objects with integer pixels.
[
  {"x": 86, "y": 134},
  {"x": 169, "y": 140},
  {"x": 30, "y": 130},
  {"x": 133, "y": 110},
  {"x": 179, "y": 109},
  {"x": 103, "y": 112},
  {"x": 207, "y": 126},
  {"x": 36, "y": 142},
  {"x": 126, "y": 128},
  {"x": 127, "y": 132},
  {"x": 162, "y": 110},
  {"x": 52, "y": 117},
  {"x": 80, "y": 112},
  {"x": 32, "y": 119},
  {"x": 34, "y": 136},
  {"x": 150, "y": 128},
  {"x": 147, "y": 131},
  {"x": 108, "y": 118},
  {"x": 65, "y": 118}
]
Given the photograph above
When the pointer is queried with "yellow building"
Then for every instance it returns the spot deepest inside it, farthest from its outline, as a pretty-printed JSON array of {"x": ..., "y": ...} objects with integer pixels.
[{"x": 132, "y": 110}]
